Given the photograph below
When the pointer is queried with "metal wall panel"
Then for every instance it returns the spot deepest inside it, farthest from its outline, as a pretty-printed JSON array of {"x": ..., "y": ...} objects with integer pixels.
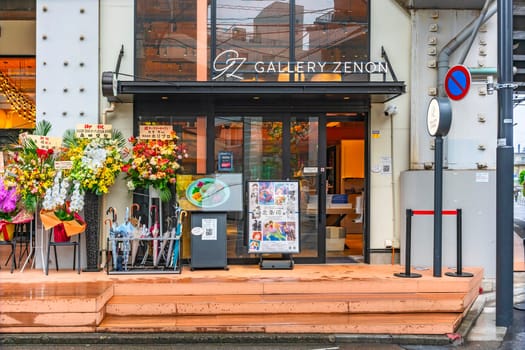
[
  {"x": 474, "y": 192},
  {"x": 67, "y": 52}
]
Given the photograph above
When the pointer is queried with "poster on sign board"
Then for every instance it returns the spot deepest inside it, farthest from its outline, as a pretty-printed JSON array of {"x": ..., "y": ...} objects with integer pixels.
[
  {"x": 212, "y": 192},
  {"x": 273, "y": 217}
]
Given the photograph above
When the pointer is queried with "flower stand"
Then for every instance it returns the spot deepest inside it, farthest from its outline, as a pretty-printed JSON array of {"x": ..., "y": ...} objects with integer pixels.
[{"x": 91, "y": 213}]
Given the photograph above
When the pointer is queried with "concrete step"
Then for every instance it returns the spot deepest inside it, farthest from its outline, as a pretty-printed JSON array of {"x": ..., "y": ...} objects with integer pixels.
[
  {"x": 380, "y": 323},
  {"x": 285, "y": 304}
]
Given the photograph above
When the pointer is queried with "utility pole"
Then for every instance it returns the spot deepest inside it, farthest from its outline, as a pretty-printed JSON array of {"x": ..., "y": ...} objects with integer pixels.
[{"x": 504, "y": 169}]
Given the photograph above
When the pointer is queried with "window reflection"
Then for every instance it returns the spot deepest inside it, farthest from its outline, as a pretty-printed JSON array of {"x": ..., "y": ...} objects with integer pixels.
[
  {"x": 332, "y": 31},
  {"x": 165, "y": 39},
  {"x": 259, "y": 31},
  {"x": 172, "y": 44},
  {"x": 263, "y": 147}
]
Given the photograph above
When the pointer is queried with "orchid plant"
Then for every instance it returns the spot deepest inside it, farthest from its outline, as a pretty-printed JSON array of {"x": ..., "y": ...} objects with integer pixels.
[
  {"x": 60, "y": 199},
  {"x": 8, "y": 200}
]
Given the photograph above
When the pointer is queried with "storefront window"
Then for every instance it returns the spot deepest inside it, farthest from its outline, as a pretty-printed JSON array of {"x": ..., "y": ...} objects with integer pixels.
[
  {"x": 251, "y": 31},
  {"x": 166, "y": 40}
]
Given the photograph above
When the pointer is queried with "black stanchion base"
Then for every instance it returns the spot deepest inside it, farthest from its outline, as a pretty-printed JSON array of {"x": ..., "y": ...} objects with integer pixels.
[
  {"x": 462, "y": 274},
  {"x": 519, "y": 306},
  {"x": 410, "y": 275}
]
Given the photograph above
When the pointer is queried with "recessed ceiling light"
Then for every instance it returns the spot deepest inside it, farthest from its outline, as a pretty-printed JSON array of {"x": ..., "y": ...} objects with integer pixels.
[
  {"x": 256, "y": 98},
  {"x": 346, "y": 98}
]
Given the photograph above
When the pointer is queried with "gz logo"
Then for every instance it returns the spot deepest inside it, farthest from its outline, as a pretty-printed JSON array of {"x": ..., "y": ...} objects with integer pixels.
[{"x": 232, "y": 63}]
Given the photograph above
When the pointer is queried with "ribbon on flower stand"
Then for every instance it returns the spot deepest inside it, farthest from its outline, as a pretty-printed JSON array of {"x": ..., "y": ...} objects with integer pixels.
[
  {"x": 64, "y": 229},
  {"x": 7, "y": 228}
]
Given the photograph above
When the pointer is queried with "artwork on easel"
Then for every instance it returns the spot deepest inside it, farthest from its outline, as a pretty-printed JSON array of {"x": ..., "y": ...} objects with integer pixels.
[{"x": 273, "y": 209}]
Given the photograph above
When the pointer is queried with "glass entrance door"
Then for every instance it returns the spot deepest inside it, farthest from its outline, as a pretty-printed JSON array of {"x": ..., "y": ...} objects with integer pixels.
[
  {"x": 279, "y": 148},
  {"x": 306, "y": 166}
]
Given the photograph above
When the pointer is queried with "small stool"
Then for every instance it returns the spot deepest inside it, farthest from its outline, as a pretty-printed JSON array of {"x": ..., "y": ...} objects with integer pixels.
[
  {"x": 52, "y": 243},
  {"x": 23, "y": 238}
]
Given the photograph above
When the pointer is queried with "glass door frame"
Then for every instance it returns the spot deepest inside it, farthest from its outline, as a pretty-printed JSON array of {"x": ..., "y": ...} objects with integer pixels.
[
  {"x": 321, "y": 171},
  {"x": 210, "y": 111}
]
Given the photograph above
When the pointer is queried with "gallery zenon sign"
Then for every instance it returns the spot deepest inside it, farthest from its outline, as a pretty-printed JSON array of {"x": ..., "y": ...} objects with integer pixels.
[{"x": 229, "y": 63}]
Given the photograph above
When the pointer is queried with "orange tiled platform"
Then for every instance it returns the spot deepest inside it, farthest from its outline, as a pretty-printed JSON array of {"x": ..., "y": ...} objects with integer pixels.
[{"x": 355, "y": 298}]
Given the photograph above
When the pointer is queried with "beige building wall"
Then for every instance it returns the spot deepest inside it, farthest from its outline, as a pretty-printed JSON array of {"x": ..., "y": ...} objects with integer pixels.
[{"x": 390, "y": 28}]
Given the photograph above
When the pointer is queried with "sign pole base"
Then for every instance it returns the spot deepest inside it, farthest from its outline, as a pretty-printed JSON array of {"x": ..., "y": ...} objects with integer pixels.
[
  {"x": 409, "y": 275},
  {"x": 459, "y": 274},
  {"x": 286, "y": 263}
]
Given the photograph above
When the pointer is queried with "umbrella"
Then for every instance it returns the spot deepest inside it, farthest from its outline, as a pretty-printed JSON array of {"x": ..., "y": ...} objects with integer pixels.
[
  {"x": 154, "y": 231},
  {"x": 164, "y": 241},
  {"x": 113, "y": 234},
  {"x": 176, "y": 235},
  {"x": 125, "y": 232},
  {"x": 137, "y": 232},
  {"x": 144, "y": 232},
  {"x": 109, "y": 223}
]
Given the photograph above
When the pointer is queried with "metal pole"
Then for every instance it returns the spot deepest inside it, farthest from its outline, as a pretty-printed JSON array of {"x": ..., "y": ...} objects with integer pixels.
[
  {"x": 408, "y": 243},
  {"x": 504, "y": 170},
  {"x": 408, "y": 239},
  {"x": 459, "y": 243},
  {"x": 459, "y": 249},
  {"x": 438, "y": 204}
]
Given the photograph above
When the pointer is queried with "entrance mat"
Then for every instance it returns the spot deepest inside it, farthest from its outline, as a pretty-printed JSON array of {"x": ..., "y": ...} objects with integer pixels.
[{"x": 341, "y": 260}]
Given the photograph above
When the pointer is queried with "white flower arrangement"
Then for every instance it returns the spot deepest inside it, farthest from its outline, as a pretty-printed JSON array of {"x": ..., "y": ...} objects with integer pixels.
[{"x": 55, "y": 198}]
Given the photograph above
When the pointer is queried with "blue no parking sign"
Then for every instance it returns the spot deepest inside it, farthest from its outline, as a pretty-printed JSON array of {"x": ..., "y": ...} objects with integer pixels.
[{"x": 457, "y": 82}]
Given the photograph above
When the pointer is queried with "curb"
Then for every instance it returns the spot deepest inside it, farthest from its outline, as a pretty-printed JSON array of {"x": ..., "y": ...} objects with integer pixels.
[{"x": 215, "y": 338}]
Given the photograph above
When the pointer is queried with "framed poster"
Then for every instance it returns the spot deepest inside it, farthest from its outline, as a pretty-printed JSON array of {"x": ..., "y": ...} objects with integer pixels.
[
  {"x": 273, "y": 217},
  {"x": 212, "y": 192}
]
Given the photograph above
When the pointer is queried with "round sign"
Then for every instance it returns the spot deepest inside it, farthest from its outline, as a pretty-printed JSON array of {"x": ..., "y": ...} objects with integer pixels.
[
  {"x": 457, "y": 82},
  {"x": 439, "y": 117}
]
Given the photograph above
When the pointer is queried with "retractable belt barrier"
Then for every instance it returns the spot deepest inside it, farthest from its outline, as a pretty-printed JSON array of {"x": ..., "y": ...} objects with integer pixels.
[{"x": 409, "y": 214}]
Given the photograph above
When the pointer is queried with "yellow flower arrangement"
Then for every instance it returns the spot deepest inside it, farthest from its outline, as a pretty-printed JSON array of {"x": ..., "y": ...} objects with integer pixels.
[
  {"x": 96, "y": 162},
  {"x": 154, "y": 163},
  {"x": 33, "y": 167}
]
